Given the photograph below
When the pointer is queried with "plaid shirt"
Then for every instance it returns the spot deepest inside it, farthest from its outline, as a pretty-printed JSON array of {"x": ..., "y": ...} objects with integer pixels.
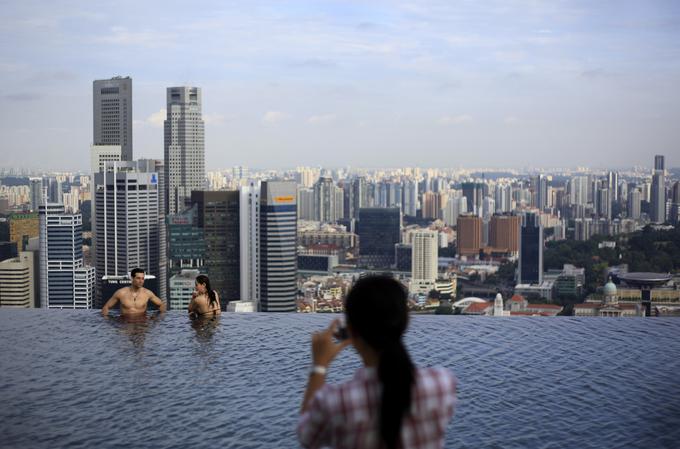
[{"x": 346, "y": 415}]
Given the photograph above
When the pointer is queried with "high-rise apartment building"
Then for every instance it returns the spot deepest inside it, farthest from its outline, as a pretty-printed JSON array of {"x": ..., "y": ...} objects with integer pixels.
[
  {"x": 278, "y": 246},
  {"x": 184, "y": 147},
  {"x": 128, "y": 228},
  {"x": 633, "y": 206},
  {"x": 541, "y": 192},
  {"x": 658, "y": 191},
  {"x": 218, "y": 217},
  {"x": 579, "y": 190},
  {"x": 37, "y": 193},
  {"x": 17, "y": 281},
  {"x": 424, "y": 261},
  {"x": 469, "y": 235},
  {"x": 328, "y": 200},
  {"x": 65, "y": 282},
  {"x": 531, "y": 251},
  {"x": 410, "y": 200},
  {"x": 379, "y": 229},
  {"x": 504, "y": 233},
  {"x": 112, "y": 114}
]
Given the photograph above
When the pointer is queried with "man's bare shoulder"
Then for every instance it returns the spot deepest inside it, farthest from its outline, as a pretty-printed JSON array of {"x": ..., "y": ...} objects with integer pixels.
[{"x": 123, "y": 291}]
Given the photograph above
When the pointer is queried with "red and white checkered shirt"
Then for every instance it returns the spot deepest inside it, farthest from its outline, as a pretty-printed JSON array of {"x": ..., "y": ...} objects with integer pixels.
[{"x": 346, "y": 415}]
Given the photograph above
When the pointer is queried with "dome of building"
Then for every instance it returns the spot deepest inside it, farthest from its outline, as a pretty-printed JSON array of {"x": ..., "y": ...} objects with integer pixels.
[{"x": 609, "y": 289}]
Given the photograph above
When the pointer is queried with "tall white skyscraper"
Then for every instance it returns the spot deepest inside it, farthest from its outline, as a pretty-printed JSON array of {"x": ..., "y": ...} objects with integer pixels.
[
  {"x": 112, "y": 114},
  {"x": 424, "y": 261},
  {"x": 579, "y": 190},
  {"x": 128, "y": 227},
  {"x": 327, "y": 201},
  {"x": 410, "y": 201},
  {"x": 184, "y": 147},
  {"x": 249, "y": 228},
  {"x": 65, "y": 282},
  {"x": 658, "y": 194}
]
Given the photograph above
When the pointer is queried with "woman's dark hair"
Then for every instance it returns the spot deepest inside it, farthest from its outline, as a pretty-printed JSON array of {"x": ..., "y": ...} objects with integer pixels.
[
  {"x": 377, "y": 310},
  {"x": 204, "y": 280}
]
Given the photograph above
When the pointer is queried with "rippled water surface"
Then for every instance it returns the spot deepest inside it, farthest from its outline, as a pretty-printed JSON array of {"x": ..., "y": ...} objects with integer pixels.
[{"x": 74, "y": 379}]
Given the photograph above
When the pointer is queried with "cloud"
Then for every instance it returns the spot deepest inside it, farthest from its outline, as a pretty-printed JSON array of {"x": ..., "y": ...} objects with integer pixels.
[
  {"x": 274, "y": 117},
  {"x": 23, "y": 96},
  {"x": 315, "y": 63},
  {"x": 449, "y": 120},
  {"x": 321, "y": 119},
  {"x": 145, "y": 38},
  {"x": 512, "y": 120},
  {"x": 154, "y": 120}
]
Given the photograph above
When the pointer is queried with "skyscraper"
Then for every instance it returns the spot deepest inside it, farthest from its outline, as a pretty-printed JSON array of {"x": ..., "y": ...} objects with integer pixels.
[
  {"x": 37, "y": 194},
  {"x": 468, "y": 235},
  {"x": 634, "y": 204},
  {"x": 658, "y": 194},
  {"x": 184, "y": 147},
  {"x": 17, "y": 281},
  {"x": 379, "y": 229},
  {"x": 218, "y": 216},
  {"x": 327, "y": 200},
  {"x": 278, "y": 246},
  {"x": 541, "y": 192},
  {"x": 129, "y": 227},
  {"x": 504, "y": 233},
  {"x": 531, "y": 251},
  {"x": 112, "y": 114},
  {"x": 249, "y": 222},
  {"x": 410, "y": 200},
  {"x": 65, "y": 282},
  {"x": 424, "y": 261}
]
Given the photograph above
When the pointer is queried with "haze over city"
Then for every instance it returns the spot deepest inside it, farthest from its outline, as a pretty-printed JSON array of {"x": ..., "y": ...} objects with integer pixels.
[{"x": 503, "y": 84}]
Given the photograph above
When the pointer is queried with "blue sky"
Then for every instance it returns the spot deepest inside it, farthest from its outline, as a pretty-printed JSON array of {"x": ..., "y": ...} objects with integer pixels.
[{"x": 429, "y": 83}]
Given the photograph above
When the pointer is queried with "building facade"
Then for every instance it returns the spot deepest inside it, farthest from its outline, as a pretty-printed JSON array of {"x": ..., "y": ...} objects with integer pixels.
[
  {"x": 379, "y": 230},
  {"x": 278, "y": 250},
  {"x": 112, "y": 114},
  {"x": 184, "y": 146}
]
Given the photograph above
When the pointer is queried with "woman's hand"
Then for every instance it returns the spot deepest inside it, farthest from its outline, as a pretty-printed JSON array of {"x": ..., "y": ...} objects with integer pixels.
[{"x": 324, "y": 347}]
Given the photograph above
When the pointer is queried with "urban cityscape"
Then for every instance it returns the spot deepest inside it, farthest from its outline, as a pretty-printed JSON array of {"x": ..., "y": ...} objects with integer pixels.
[
  {"x": 266, "y": 224},
  {"x": 494, "y": 242}
]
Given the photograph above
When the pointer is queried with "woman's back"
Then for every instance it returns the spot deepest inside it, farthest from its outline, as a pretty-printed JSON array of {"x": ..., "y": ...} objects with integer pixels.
[
  {"x": 346, "y": 415},
  {"x": 203, "y": 307}
]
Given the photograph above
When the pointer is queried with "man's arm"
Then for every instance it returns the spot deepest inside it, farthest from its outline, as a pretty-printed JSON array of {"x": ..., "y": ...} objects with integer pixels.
[
  {"x": 156, "y": 300},
  {"x": 110, "y": 303}
]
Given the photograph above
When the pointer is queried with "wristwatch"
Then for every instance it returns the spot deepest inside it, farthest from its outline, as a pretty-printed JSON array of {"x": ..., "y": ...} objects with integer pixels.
[{"x": 317, "y": 369}]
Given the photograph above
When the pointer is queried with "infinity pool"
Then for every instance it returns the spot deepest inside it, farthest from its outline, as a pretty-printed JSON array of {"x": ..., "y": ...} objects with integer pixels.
[{"x": 74, "y": 379}]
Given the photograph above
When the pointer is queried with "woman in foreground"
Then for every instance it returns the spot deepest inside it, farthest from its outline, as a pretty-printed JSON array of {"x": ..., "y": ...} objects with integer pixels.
[
  {"x": 389, "y": 403},
  {"x": 204, "y": 301}
]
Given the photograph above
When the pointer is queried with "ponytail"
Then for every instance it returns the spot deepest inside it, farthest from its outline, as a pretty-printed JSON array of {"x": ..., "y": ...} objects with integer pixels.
[
  {"x": 377, "y": 310},
  {"x": 396, "y": 374}
]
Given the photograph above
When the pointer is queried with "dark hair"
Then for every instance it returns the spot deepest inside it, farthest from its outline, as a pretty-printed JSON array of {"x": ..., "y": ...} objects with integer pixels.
[
  {"x": 204, "y": 280},
  {"x": 377, "y": 311},
  {"x": 134, "y": 272}
]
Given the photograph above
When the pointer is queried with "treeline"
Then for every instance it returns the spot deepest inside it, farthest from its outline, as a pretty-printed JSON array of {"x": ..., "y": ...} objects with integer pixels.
[{"x": 646, "y": 250}]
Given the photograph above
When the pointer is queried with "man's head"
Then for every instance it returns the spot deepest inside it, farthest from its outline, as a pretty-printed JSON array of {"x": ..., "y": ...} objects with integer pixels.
[{"x": 137, "y": 275}]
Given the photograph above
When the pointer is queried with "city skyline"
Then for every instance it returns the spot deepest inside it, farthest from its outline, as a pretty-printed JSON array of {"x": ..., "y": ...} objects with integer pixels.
[{"x": 336, "y": 84}]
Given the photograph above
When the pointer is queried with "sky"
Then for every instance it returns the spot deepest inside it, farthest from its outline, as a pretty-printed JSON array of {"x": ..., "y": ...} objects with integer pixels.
[{"x": 352, "y": 83}]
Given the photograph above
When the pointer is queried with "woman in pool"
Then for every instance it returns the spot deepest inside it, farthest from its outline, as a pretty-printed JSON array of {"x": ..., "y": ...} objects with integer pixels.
[
  {"x": 204, "y": 301},
  {"x": 389, "y": 403}
]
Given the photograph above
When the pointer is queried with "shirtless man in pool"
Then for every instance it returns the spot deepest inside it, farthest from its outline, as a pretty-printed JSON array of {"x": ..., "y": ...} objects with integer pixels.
[{"x": 133, "y": 299}]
